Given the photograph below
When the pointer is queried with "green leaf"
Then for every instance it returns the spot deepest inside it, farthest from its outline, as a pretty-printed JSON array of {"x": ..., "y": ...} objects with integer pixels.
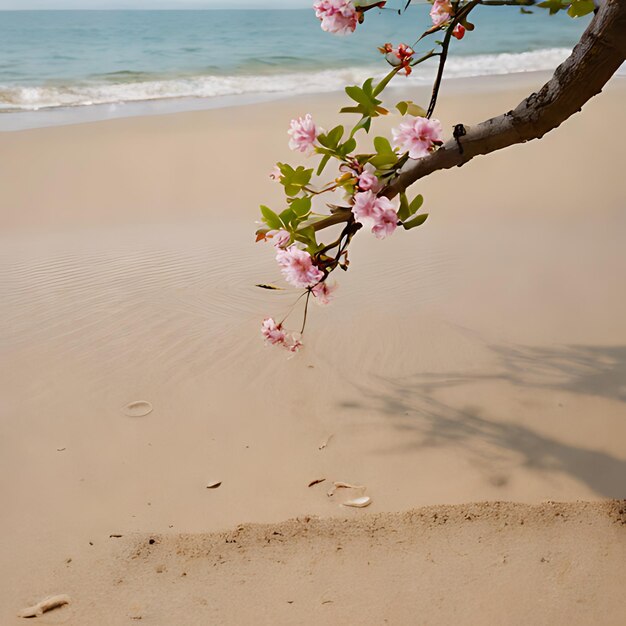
[
  {"x": 416, "y": 221},
  {"x": 382, "y": 145},
  {"x": 364, "y": 123},
  {"x": 294, "y": 180},
  {"x": 335, "y": 135},
  {"x": 301, "y": 206},
  {"x": 553, "y": 5},
  {"x": 358, "y": 95},
  {"x": 348, "y": 147},
  {"x": 403, "y": 211},
  {"x": 270, "y": 218},
  {"x": 350, "y": 110},
  {"x": 323, "y": 164},
  {"x": 306, "y": 236},
  {"x": 578, "y": 8},
  {"x": 416, "y": 204},
  {"x": 408, "y": 106},
  {"x": 363, "y": 96},
  {"x": 385, "y": 81},
  {"x": 287, "y": 217},
  {"x": 402, "y": 107},
  {"x": 385, "y": 155},
  {"x": 331, "y": 139},
  {"x": 383, "y": 161}
]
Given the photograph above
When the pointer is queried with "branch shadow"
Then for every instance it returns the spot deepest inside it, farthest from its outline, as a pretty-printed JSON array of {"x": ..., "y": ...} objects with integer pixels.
[{"x": 414, "y": 404}]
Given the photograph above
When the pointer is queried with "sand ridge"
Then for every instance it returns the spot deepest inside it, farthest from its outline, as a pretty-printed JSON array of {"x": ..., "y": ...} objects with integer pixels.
[{"x": 489, "y": 562}]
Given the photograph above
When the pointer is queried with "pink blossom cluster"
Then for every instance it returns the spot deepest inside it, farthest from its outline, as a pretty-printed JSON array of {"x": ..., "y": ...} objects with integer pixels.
[
  {"x": 280, "y": 238},
  {"x": 418, "y": 136},
  {"x": 275, "y": 335},
  {"x": 337, "y": 16},
  {"x": 303, "y": 134},
  {"x": 367, "y": 179},
  {"x": 376, "y": 213},
  {"x": 297, "y": 267},
  {"x": 323, "y": 293},
  {"x": 441, "y": 12}
]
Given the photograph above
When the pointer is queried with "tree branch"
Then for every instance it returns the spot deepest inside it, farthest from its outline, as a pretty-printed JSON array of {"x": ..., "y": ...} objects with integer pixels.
[{"x": 597, "y": 56}]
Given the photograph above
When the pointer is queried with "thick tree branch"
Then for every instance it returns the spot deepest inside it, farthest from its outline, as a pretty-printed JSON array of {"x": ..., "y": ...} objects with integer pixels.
[{"x": 597, "y": 56}]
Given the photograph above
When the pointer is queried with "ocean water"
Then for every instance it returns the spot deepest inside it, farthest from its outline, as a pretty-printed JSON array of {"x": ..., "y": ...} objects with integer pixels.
[{"x": 54, "y": 59}]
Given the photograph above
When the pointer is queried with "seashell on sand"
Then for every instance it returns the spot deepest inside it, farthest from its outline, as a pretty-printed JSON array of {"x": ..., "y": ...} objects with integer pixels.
[
  {"x": 358, "y": 503},
  {"x": 45, "y": 605}
]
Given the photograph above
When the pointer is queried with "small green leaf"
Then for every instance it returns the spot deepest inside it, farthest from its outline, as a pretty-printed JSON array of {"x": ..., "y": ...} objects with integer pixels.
[
  {"x": 409, "y": 107},
  {"x": 402, "y": 107},
  {"x": 270, "y": 218},
  {"x": 416, "y": 204},
  {"x": 416, "y": 221},
  {"x": 335, "y": 135},
  {"x": 403, "y": 211},
  {"x": 323, "y": 164},
  {"x": 364, "y": 123},
  {"x": 301, "y": 206},
  {"x": 287, "y": 217},
  {"x": 382, "y": 145},
  {"x": 553, "y": 5},
  {"x": 306, "y": 236},
  {"x": 578, "y": 8},
  {"x": 358, "y": 95},
  {"x": 385, "y": 155},
  {"x": 348, "y": 147},
  {"x": 367, "y": 86},
  {"x": 294, "y": 180},
  {"x": 385, "y": 81}
]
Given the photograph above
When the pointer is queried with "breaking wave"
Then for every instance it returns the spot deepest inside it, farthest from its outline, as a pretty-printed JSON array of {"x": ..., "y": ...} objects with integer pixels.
[{"x": 133, "y": 87}]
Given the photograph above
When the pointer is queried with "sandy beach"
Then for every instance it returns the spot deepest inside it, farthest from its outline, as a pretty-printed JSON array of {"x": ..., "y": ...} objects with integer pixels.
[{"x": 478, "y": 359}]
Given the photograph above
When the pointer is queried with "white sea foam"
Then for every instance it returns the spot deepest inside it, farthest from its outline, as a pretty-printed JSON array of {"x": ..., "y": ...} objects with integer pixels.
[{"x": 22, "y": 98}]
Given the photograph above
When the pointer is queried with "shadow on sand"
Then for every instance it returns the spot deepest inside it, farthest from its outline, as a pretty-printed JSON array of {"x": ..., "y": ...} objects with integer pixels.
[{"x": 414, "y": 404}]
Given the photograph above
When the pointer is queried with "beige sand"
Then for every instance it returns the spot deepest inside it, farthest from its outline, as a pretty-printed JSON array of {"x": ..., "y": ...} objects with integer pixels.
[
  {"x": 477, "y": 564},
  {"x": 481, "y": 357}
]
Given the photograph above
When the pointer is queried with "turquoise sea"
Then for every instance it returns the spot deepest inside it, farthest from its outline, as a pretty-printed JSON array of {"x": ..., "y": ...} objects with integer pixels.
[{"x": 71, "y": 58}]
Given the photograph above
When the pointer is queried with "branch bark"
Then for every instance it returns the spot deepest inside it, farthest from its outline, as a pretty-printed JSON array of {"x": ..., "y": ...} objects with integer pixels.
[{"x": 597, "y": 56}]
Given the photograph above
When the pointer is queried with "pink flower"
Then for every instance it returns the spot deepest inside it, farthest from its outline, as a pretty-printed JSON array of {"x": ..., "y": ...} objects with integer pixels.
[
  {"x": 292, "y": 344},
  {"x": 323, "y": 292},
  {"x": 386, "y": 223},
  {"x": 440, "y": 12},
  {"x": 303, "y": 133},
  {"x": 459, "y": 31},
  {"x": 365, "y": 207},
  {"x": 275, "y": 174},
  {"x": 376, "y": 213},
  {"x": 367, "y": 179},
  {"x": 280, "y": 238},
  {"x": 272, "y": 331},
  {"x": 417, "y": 136},
  {"x": 337, "y": 16},
  {"x": 276, "y": 336},
  {"x": 297, "y": 267}
]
